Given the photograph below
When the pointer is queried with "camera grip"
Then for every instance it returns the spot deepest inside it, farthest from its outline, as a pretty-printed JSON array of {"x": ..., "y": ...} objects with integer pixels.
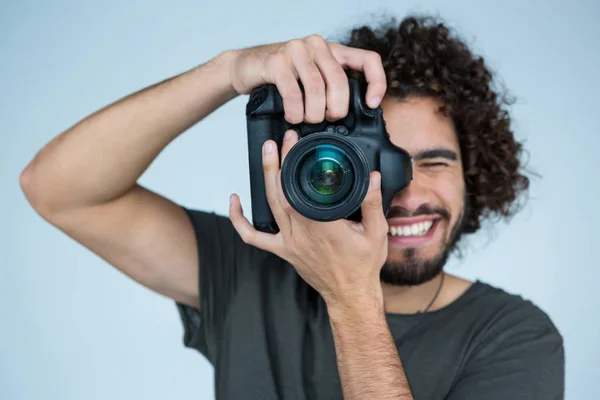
[{"x": 259, "y": 131}]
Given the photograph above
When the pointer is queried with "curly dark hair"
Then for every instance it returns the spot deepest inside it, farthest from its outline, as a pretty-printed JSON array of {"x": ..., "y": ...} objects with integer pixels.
[{"x": 422, "y": 56}]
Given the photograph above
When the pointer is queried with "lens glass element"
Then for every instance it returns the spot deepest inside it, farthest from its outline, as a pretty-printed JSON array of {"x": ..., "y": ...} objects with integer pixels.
[{"x": 325, "y": 174}]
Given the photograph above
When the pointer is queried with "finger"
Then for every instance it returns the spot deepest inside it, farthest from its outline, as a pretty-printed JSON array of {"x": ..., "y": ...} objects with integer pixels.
[
  {"x": 247, "y": 232},
  {"x": 368, "y": 62},
  {"x": 336, "y": 81},
  {"x": 289, "y": 89},
  {"x": 271, "y": 172},
  {"x": 372, "y": 209},
  {"x": 289, "y": 139},
  {"x": 312, "y": 81},
  {"x": 286, "y": 206}
]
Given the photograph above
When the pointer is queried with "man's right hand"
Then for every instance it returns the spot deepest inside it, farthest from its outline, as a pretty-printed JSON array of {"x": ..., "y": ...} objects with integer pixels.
[{"x": 319, "y": 65}]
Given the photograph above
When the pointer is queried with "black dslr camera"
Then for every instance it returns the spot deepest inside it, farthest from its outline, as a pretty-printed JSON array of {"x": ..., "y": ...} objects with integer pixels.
[{"x": 325, "y": 176}]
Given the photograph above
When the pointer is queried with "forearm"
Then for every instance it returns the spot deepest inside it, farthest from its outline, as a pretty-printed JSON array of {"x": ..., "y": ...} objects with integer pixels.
[
  {"x": 367, "y": 357},
  {"x": 101, "y": 157}
]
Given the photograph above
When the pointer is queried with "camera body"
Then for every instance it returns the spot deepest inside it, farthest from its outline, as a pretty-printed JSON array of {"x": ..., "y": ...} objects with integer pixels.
[{"x": 325, "y": 176}]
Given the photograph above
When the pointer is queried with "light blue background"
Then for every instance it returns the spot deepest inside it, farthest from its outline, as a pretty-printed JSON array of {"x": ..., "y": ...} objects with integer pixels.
[{"x": 72, "y": 327}]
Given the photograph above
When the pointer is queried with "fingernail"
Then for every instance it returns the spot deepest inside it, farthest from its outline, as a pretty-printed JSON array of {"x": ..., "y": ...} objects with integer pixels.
[
  {"x": 375, "y": 181},
  {"x": 268, "y": 147},
  {"x": 375, "y": 101}
]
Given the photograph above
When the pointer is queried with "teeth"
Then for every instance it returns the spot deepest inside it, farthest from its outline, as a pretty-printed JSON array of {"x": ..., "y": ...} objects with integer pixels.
[
  {"x": 415, "y": 229},
  {"x": 418, "y": 229}
]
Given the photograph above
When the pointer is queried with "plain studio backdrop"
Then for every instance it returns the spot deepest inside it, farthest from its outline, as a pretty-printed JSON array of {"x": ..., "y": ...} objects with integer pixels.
[{"x": 72, "y": 327}]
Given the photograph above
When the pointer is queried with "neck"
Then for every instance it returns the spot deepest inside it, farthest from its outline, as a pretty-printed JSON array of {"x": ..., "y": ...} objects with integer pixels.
[{"x": 414, "y": 299}]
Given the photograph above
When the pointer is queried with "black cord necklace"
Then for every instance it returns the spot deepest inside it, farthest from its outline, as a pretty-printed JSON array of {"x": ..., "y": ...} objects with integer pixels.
[{"x": 436, "y": 295}]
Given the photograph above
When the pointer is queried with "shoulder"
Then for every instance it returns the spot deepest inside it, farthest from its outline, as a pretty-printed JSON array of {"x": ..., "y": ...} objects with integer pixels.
[
  {"x": 513, "y": 308},
  {"x": 514, "y": 351},
  {"x": 512, "y": 320}
]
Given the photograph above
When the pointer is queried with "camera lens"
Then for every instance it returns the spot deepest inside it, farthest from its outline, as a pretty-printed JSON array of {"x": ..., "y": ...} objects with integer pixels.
[{"x": 324, "y": 174}]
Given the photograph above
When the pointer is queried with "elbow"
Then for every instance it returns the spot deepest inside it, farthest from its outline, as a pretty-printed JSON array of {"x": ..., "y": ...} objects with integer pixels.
[
  {"x": 25, "y": 182},
  {"x": 27, "y": 185},
  {"x": 31, "y": 190}
]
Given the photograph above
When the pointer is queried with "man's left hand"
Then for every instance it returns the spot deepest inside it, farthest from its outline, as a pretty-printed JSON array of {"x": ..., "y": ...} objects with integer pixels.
[{"x": 341, "y": 259}]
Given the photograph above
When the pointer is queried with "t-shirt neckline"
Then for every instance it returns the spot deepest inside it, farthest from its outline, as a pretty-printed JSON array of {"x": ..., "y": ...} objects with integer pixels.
[{"x": 461, "y": 299}]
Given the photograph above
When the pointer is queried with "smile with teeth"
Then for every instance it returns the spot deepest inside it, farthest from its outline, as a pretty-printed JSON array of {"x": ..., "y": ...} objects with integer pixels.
[{"x": 417, "y": 229}]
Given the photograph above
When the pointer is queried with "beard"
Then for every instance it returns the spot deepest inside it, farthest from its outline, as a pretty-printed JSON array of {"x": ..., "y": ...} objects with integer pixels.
[{"x": 412, "y": 269}]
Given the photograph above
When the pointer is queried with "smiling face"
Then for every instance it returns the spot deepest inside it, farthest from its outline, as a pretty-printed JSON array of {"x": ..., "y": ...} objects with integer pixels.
[{"x": 425, "y": 218}]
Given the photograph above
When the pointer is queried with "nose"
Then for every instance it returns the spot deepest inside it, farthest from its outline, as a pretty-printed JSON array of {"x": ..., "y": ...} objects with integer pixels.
[{"x": 416, "y": 194}]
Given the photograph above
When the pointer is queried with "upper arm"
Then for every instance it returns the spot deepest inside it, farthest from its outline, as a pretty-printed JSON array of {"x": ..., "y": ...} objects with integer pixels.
[{"x": 144, "y": 235}]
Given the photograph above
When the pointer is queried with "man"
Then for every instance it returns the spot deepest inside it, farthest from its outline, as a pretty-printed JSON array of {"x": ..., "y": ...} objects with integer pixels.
[{"x": 322, "y": 310}]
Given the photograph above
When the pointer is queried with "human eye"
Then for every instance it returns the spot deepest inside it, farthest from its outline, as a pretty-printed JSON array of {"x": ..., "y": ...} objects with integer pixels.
[{"x": 434, "y": 164}]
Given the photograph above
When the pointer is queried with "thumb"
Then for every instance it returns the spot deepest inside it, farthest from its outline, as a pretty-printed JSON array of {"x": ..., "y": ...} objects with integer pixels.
[{"x": 372, "y": 209}]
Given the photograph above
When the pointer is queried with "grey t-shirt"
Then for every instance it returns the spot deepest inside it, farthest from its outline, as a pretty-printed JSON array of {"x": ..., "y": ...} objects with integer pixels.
[{"x": 268, "y": 336}]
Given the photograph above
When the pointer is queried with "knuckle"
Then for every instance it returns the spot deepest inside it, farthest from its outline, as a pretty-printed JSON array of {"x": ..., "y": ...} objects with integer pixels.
[
  {"x": 336, "y": 113},
  {"x": 315, "y": 84},
  {"x": 293, "y": 94},
  {"x": 338, "y": 107},
  {"x": 339, "y": 84},
  {"x": 312, "y": 118},
  {"x": 247, "y": 237},
  {"x": 316, "y": 40},
  {"x": 294, "y": 45},
  {"x": 268, "y": 165},
  {"x": 271, "y": 199},
  {"x": 270, "y": 169},
  {"x": 340, "y": 79},
  {"x": 376, "y": 204},
  {"x": 335, "y": 47},
  {"x": 294, "y": 118},
  {"x": 373, "y": 56}
]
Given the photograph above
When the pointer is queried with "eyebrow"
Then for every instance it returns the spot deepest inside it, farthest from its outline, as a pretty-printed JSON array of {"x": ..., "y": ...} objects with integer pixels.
[{"x": 436, "y": 153}]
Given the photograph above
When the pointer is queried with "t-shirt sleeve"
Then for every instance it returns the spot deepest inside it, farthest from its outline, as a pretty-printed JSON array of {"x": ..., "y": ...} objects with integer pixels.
[
  {"x": 222, "y": 259},
  {"x": 520, "y": 358}
]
